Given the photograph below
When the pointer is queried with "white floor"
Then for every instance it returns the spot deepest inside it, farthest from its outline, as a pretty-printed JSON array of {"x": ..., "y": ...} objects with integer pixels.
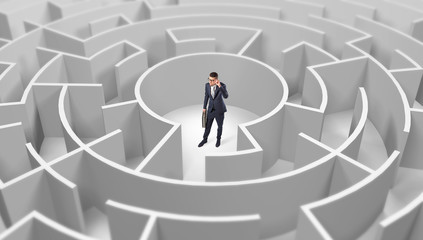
[
  {"x": 96, "y": 224},
  {"x": 52, "y": 147},
  {"x": 192, "y": 134},
  {"x": 335, "y": 132}
]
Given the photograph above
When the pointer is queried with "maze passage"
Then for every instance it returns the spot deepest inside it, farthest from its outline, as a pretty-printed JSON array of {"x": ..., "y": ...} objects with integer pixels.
[{"x": 100, "y": 105}]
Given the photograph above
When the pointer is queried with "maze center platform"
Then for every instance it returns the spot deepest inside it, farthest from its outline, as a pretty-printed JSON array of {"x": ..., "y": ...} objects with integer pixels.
[
  {"x": 192, "y": 133},
  {"x": 100, "y": 104}
]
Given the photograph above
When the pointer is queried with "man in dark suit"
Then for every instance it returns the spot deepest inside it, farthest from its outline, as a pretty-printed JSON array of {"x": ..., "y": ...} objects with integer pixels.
[{"x": 214, "y": 93}]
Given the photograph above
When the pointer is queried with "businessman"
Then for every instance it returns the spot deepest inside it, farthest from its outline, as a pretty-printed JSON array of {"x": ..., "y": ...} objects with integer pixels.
[{"x": 214, "y": 93}]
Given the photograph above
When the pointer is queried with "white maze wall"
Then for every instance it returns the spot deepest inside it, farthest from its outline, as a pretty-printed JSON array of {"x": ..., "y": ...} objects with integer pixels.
[{"x": 333, "y": 149}]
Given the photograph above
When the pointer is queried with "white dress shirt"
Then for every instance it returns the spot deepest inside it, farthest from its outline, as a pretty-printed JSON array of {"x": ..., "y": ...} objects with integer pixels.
[{"x": 213, "y": 91}]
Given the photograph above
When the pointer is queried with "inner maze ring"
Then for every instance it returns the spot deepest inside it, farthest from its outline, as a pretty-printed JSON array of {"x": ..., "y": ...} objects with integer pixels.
[{"x": 187, "y": 84}]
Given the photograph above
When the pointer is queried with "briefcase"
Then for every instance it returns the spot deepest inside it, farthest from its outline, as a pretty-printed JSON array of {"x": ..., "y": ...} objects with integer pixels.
[{"x": 204, "y": 119}]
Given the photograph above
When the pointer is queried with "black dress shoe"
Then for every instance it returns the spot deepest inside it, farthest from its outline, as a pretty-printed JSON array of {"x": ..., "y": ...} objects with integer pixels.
[
  {"x": 202, "y": 143},
  {"x": 218, "y": 143}
]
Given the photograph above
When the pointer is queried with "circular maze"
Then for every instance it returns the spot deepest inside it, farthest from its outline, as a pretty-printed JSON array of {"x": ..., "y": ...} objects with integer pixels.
[{"x": 100, "y": 105}]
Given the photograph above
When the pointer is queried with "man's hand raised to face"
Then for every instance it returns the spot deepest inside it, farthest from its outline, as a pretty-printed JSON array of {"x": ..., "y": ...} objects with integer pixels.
[{"x": 218, "y": 82}]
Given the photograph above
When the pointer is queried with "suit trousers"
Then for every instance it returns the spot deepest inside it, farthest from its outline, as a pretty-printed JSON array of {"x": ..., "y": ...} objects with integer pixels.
[{"x": 219, "y": 119}]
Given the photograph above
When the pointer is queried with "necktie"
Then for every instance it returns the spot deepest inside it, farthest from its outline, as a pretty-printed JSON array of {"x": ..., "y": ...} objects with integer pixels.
[{"x": 213, "y": 91}]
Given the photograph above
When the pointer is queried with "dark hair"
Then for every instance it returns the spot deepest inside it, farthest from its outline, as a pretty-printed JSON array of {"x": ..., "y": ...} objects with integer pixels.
[{"x": 214, "y": 74}]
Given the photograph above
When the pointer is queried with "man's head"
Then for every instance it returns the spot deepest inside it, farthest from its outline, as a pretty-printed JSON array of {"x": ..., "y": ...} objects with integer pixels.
[{"x": 213, "y": 77}]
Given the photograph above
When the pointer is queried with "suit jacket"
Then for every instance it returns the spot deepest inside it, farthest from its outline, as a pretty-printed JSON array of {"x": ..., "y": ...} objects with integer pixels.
[{"x": 217, "y": 102}]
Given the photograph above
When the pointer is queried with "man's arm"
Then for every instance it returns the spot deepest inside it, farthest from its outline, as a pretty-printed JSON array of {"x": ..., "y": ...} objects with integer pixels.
[
  {"x": 222, "y": 87},
  {"x": 206, "y": 98}
]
